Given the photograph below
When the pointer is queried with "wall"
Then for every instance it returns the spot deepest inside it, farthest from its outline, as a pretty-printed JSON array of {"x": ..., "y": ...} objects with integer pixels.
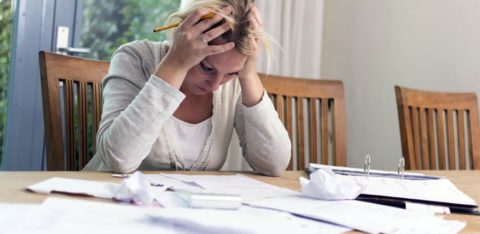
[{"x": 373, "y": 45}]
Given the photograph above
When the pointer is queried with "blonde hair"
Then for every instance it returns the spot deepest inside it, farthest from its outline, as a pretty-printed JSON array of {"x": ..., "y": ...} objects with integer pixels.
[{"x": 239, "y": 21}]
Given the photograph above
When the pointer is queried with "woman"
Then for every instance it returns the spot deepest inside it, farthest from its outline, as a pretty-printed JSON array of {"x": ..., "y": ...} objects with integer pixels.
[{"x": 175, "y": 105}]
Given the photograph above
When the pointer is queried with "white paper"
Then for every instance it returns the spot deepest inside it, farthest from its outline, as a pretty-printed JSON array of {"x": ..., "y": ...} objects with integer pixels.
[
  {"x": 73, "y": 216},
  {"x": 244, "y": 220},
  {"x": 440, "y": 190},
  {"x": 325, "y": 185},
  {"x": 59, "y": 216},
  {"x": 363, "y": 216},
  {"x": 423, "y": 208},
  {"x": 248, "y": 188},
  {"x": 75, "y": 187},
  {"x": 12, "y": 215}
]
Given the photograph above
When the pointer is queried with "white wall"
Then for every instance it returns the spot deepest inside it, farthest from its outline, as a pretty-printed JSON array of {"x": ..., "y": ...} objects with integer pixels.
[{"x": 373, "y": 45}]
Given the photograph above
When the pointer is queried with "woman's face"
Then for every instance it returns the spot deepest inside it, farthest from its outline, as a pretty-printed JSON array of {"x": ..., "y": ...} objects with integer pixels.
[{"x": 213, "y": 71}]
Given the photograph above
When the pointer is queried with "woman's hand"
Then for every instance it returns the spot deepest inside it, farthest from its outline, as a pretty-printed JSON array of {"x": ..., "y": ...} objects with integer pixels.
[
  {"x": 190, "y": 41},
  {"x": 252, "y": 88},
  {"x": 190, "y": 45},
  {"x": 256, "y": 23}
]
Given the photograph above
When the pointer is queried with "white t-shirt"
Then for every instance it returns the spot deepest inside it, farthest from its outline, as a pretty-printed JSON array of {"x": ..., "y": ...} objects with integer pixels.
[{"x": 190, "y": 138}]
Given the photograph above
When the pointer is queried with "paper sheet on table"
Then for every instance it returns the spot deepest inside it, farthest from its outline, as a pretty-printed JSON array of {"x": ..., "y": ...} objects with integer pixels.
[
  {"x": 74, "y": 216},
  {"x": 135, "y": 188},
  {"x": 424, "y": 208},
  {"x": 12, "y": 214},
  {"x": 58, "y": 216},
  {"x": 440, "y": 190},
  {"x": 244, "y": 220},
  {"x": 75, "y": 187},
  {"x": 248, "y": 188},
  {"x": 325, "y": 185},
  {"x": 363, "y": 216}
]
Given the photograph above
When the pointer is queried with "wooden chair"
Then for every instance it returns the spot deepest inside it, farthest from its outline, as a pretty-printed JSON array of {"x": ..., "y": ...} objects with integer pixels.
[
  {"x": 71, "y": 93},
  {"x": 313, "y": 112},
  {"x": 438, "y": 130}
]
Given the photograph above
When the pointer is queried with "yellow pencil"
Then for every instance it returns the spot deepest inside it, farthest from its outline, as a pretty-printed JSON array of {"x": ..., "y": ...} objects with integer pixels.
[{"x": 204, "y": 17}]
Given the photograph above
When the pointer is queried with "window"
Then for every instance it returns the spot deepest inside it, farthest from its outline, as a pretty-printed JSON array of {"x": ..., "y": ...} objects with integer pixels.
[
  {"x": 5, "y": 33},
  {"x": 109, "y": 24}
]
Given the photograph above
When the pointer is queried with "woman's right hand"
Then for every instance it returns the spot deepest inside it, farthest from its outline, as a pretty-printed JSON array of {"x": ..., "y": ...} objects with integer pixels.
[{"x": 190, "y": 41}]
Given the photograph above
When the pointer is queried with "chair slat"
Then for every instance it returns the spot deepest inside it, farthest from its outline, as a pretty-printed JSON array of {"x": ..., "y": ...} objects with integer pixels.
[
  {"x": 441, "y": 139},
  {"x": 431, "y": 138},
  {"x": 461, "y": 139},
  {"x": 473, "y": 127},
  {"x": 416, "y": 136},
  {"x": 324, "y": 130},
  {"x": 82, "y": 121},
  {"x": 96, "y": 111},
  {"x": 69, "y": 122},
  {"x": 450, "y": 141},
  {"x": 405, "y": 118},
  {"x": 338, "y": 107},
  {"x": 289, "y": 125},
  {"x": 279, "y": 100},
  {"x": 424, "y": 139},
  {"x": 300, "y": 132},
  {"x": 313, "y": 131}
]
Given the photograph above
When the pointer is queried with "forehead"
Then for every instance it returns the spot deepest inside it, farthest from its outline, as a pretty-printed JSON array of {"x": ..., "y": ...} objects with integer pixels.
[{"x": 227, "y": 62}]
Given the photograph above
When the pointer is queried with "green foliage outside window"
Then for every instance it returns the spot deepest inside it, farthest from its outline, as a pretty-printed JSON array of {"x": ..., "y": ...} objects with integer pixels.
[
  {"x": 109, "y": 24},
  {"x": 6, "y": 30}
]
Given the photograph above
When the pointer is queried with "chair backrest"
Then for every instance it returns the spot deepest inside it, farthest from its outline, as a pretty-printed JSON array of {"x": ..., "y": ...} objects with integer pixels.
[
  {"x": 71, "y": 93},
  {"x": 313, "y": 111},
  {"x": 438, "y": 130}
]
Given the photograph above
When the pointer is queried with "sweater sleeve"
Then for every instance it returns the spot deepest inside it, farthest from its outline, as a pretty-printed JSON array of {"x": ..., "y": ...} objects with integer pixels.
[
  {"x": 263, "y": 138},
  {"x": 135, "y": 107}
]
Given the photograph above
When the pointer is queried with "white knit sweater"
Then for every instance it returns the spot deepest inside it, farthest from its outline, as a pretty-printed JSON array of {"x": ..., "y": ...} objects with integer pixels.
[{"x": 133, "y": 134}]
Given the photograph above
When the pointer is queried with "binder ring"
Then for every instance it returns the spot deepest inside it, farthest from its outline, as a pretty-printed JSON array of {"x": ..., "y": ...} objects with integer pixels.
[
  {"x": 401, "y": 167},
  {"x": 366, "y": 167}
]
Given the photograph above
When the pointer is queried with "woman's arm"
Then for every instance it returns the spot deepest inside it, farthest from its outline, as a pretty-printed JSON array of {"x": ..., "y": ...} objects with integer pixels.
[
  {"x": 135, "y": 108},
  {"x": 263, "y": 138}
]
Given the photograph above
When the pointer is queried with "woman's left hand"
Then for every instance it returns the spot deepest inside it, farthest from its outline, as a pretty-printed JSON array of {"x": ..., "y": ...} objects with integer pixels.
[
  {"x": 252, "y": 88},
  {"x": 256, "y": 23}
]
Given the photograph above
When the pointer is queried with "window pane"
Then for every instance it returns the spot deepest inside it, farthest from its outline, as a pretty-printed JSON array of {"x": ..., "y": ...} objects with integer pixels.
[
  {"x": 5, "y": 33},
  {"x": 109, "y": 24}
]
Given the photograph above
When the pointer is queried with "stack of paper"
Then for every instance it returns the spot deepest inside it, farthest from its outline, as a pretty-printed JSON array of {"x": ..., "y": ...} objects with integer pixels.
[{"x": 267, "y": 204}]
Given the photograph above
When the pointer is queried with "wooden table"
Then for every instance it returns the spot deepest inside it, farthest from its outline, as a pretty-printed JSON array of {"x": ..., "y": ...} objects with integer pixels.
[{"x": 13, "y": 184}]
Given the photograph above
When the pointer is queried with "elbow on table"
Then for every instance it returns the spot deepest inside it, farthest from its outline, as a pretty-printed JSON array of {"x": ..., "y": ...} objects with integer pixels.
[
  {"x": 121, "y": 168},
  {"x": 276, "y": 172},
  {"x": 116, "y": 162},
  {"x": 276, "y": 165}
]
